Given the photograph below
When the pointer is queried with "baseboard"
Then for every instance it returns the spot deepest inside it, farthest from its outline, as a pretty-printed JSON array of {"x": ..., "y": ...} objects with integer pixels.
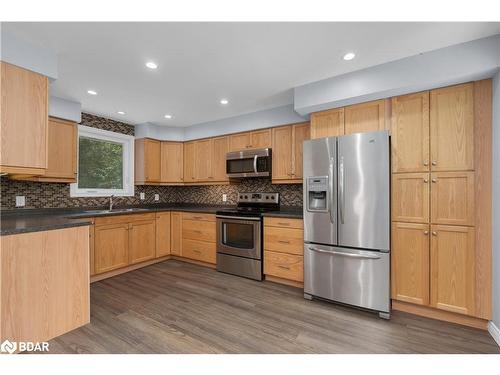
[
  {"x": 132, "y": 267},
  {"x": 494, "y": 332}
]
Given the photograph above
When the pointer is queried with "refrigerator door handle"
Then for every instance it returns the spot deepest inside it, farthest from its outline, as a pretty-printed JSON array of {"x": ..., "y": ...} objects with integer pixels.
[
  {"x": 330, "y": 181},
  {"x": 344, "y": 254},
  {"x": 255, "y": 164},
  {"x": 341, "y": 189}
]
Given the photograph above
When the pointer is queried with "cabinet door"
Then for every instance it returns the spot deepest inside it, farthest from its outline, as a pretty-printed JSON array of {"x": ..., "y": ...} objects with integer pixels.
[
  {"x": 410, "y": 263},
  {"x": 452, "y": 198},
  {"x": 300, "y": 133},
  {"x": 240, "y": 141},
  {"x": 92, "y": 249},
  {"x": 261, "y": 139},
  {"x": 452, "y": 128},
  {"x": 410, "y": 197},
  {"x": 142, "y": 241},
  {"x": 203, "y": 160},
  {"x": 111, "y": 247},
  {"x": 220, "y": 149},
  {"x": 410, "y": 133},
  {"x": 61, "y": 164},
  {"x": 327, "y": 123},
  {"x": 172, "y": 166},
  {"x": 152, "y": 160},
  {"x": 162, "y": 234},
  {"x": 24, "y": 117},
  {"x": 176, "y": 233},
  {"x": 365, "y": 117},
  {"x": 189, "y": 162},
  {"x": 282, "y": 153},
  {"x": 452, "y": 268}
]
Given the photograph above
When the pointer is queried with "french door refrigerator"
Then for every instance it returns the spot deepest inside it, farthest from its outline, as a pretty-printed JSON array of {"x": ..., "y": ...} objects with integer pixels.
[{"x": 347, "y": 220}]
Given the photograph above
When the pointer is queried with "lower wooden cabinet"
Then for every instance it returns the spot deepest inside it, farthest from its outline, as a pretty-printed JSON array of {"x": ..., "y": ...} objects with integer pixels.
[
  {"x": 163, "y": 223},
  {"x": 199, "y": 250},
  {"x": 199, "y": 237},
  {"x": 284, "y": 266},
  {"x": 142, "y": 241},
  {"x": 176, "y": 233},
  {"x": 452, "y": 266},
  {"x": 111, "y": 247},
  {"x": 410, "y": 263}
]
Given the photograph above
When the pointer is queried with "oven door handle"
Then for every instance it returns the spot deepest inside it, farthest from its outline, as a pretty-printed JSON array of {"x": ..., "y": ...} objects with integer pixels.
[
  {"x": 238, "y": 218},
  {"x": 255, "y": 164}
]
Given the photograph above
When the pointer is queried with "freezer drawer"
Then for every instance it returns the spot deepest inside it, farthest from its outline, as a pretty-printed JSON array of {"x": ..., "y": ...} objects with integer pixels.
[{"x": 354, "y": 277}]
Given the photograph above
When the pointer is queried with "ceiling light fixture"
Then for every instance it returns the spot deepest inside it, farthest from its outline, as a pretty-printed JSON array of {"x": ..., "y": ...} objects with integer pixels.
[
  {"x": 224, "y": 101},
  {"x": 151, "y": 65},
  {"x": 168, "y": 116},
  {"x": 349, "y": 56},
  {"x": 121, "y": 112},
  {"x": 91, "y": 92}
]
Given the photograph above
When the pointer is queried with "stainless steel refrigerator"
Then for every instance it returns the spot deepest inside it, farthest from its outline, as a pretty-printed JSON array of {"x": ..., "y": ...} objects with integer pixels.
[{"x": 347, "y": 220}]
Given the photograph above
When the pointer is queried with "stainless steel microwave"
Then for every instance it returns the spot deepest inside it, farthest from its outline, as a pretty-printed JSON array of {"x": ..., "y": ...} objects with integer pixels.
[{"x": 249, "y": 163}]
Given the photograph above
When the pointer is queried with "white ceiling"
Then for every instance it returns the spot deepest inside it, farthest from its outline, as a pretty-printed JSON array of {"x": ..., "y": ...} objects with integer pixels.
[{"x": 254, "y": 65}]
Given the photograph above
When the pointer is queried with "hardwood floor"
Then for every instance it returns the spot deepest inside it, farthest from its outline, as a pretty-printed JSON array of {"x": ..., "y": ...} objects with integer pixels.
[{"x": 176, "y": 307}]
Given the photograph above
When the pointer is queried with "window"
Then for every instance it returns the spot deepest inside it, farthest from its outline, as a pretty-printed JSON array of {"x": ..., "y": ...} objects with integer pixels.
[{"x": 105, "y": 164}]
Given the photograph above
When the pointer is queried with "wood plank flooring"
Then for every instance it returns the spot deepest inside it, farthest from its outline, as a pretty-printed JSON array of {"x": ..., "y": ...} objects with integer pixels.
[{"x": 176, "y": 307}]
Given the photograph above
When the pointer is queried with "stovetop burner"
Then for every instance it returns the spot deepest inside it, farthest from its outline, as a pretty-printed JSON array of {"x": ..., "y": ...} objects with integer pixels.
[{"x": 253, "y": 204}]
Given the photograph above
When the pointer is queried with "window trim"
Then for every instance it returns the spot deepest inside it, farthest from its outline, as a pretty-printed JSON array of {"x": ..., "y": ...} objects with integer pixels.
[{"x": 128, "y": 163}]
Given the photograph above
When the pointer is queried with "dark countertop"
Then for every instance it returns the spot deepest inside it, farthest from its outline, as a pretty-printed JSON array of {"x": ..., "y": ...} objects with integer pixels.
[{"x": 35, "y": 220}]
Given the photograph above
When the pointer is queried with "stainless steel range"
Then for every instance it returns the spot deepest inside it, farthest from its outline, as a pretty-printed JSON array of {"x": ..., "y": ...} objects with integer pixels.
[{"x": 239, "y": 234}]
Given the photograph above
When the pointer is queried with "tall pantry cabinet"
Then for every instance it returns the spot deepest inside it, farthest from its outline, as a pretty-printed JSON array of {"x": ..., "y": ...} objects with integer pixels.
[{"x": 441, "y": 199}]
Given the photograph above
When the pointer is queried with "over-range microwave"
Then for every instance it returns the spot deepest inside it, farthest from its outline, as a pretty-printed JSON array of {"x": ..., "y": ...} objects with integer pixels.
[{"x": 249, "y": 163}]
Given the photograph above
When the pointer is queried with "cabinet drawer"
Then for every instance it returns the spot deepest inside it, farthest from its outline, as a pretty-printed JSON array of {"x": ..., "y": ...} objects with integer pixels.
[
  {"x": 115, "y": 219},
  {"x": 284, "y": 240},
  {"x": 283, "y": 222},
  {"x": 198, "y": 230},
  {"x": 285, "y": 266},
  {"x": 198, "y": 250},
  {"x": 198, "y": 216}
]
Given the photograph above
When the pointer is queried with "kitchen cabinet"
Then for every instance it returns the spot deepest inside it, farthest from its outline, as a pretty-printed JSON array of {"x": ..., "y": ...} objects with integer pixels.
[
  {"x": 250, "y": 140},
  {"x": 452, "y": 128},
  {"x": 23, "y": 121},
  {"x": 410, "y": 263},
  {"x": 162, "y": 234},
  {"x": 199, "y": 237},
  {"x": 189, "y": 162},
  {"x": 203, "y": 159},
  {"x": 452, "y": 268},
  {"x": 142, "y": 241},
  {"x": 92, "y": 249},
  {"x": 452, "y": 198},
  {"x": 111, "y": 247},
  {"x": 199, "y": 250},
  {"x": 220, "y": 149},
  {"x": 284, "y": 266},
  {"x": 172, "y": 162},
  {"x": 147, "y": 161},
  {"x": 176, "y": 233},
  {"x": 365, "y": 117},
  {"x": 410, "y": 133},
  {"x": 410, "y": 197},
  {"x": 287, "y": 152},
  {"x": 327, "y": 123}
]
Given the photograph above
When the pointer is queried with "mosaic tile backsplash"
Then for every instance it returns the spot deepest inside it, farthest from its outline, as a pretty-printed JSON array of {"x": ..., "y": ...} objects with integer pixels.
[{"x": 56, "y": 195}]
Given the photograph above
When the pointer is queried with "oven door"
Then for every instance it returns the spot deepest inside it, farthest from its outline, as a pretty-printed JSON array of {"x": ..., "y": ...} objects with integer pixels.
[{"x": 239, "y": 236}]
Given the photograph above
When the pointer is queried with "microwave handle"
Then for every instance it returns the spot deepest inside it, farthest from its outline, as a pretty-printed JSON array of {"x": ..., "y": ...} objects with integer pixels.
[{"x": 255, "y": 163}]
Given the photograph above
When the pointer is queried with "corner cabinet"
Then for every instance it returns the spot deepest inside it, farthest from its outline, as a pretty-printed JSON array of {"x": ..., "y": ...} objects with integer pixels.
[
  {"x": 172, "y": 162},
  {"x": 147, "y": 161},
  {"x": 24, "y": 121}
]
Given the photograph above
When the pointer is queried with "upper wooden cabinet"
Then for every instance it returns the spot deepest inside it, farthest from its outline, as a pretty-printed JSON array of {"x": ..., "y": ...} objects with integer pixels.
[
  {"x": 189, "y": 162},
  {"x": 365, "y": 117},
  {"x": 410, "y": 133},
  {"x": 203, "y": 151},
  {"x": 287, "y": 152},
  {"x": 327, "y": 123},
  {"x": 24, "y": 121},
  {"x": 172, "y": 162},
  {"x": 220, "y": 149},
  {"x": 453, "y": 268},
  {"x": 410, "y": 197},
  {"x": 147, "y": 160},
  {"x": 452, "y": 128},
  {"x": 249, "y": 140}
]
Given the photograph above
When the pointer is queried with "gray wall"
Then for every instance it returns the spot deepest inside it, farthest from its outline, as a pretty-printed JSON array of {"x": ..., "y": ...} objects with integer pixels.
[{"x": 496, "y": 199}]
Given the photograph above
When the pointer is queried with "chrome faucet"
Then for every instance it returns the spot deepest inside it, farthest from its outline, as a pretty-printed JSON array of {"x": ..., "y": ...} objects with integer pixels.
[{"x": 111, "y": 202}]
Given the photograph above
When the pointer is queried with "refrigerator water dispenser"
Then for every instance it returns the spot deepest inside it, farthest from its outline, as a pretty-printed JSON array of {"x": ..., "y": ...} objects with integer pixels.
[{"x": 317, "y": 194}]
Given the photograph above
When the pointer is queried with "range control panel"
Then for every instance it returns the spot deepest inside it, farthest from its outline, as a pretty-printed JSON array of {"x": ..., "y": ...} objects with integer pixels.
[{"x": 259, "y": 198}]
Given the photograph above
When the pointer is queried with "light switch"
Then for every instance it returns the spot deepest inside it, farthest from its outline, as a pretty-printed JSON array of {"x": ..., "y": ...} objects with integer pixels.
[
  {"x": 20, "y": 201},
  {"x": 142, "y": 196},
  {"x": 224, "y": 197},
  {"x": 157, "y": 197}
]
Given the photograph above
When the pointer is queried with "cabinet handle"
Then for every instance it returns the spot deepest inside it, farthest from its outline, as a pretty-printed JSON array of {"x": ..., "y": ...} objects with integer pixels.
[
  {"x": 426, "y": 180},
  {"x": 284, "y": 267},
  {"x": 434, "y": 180},
  {"x": 434, "y": 162},
  {"x": 197, "y": 231},
  {"x": 281, "y": 241},
  {"x": 197, "y": 251},
  {"x": 426, "y": 163},
  {"x": 426, "y": 232},
  {"x": 197, "y": 217},
  {"x": 434, "y": 233}
]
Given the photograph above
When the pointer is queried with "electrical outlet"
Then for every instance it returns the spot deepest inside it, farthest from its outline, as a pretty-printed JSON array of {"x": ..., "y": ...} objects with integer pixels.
[
  {"x": 157, "y": 197},
  {"x": 142, "y": 196},
  {"x": 224, "y": 197},
  {"x": 20, "y": 201}
]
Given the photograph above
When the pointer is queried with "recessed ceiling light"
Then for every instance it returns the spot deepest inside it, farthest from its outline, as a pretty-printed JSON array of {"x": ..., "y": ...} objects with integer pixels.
[
  {"x": 151, "y": 65},
  {"x": 121, "y": 112},
  {"x": 224, "y": 101},
  {"x": 91, "y": 92},
  {"x": 168, "y": 116},
  {"x": 349, "y": 56}
]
